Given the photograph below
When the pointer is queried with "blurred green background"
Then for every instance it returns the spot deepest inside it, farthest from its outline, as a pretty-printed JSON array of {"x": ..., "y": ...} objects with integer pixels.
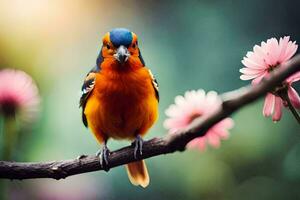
[{"x": 188, "y": 45}]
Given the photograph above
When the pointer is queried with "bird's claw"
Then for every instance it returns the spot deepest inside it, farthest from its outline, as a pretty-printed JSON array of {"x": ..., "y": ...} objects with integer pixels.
[
  {"x": 103, "y": 157},
  {"x": 138, "y": 146}
]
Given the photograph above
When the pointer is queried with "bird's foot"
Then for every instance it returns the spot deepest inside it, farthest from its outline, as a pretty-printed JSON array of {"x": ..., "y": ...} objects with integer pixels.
[
  {"x": 138, "y": 146},
  {"x": 103, "y": 154}
]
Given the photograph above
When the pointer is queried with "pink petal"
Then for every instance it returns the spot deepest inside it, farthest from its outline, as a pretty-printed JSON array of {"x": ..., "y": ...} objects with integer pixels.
[
  {"x": 251, "y": 64},
  {"x": 256, "y": 58},
  {"x": 294, "y": 78},
  {"x": 273, "y": 50},
  {"x": 172, "y": 111},
  {"x": 247, "y": 77},
  {"x": 294, "y": 97},
  {"x": 290, "y": 51},
  {"x": 259, "y": 78},
  {"x": 250, "y": 71},
  {"x": 259, "y": 52},
  {"x": 180, "y": 100},
  {"x": 283, "y": 45},
  {"x": 222, "y": 133},
  {"x": 202, "y": 144},
  {"x": 226, "y": 123},
  {"x": 193, "y": 144},
  {"x": 265, "y": 48},
  {"x": 175, "y": 123},
  {"x": 197, "y": 143},
  {"x": 269, "y": 105},
  {"x": 213, "y": 139},
  {"x": 277, "y": 109}
]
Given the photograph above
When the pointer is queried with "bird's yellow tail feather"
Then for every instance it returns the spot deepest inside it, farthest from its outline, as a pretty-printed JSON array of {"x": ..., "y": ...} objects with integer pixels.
[{"x": 138, "y": 173}]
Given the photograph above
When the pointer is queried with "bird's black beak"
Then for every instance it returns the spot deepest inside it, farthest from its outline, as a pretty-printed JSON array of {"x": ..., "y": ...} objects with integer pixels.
[{"x": 122, "y": 54}]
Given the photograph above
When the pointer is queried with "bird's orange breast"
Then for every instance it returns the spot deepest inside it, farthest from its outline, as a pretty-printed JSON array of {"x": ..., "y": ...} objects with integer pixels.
[{"x": 122, "y": 105}]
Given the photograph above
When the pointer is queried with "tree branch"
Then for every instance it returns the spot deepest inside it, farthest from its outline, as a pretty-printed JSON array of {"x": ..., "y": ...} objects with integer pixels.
[{"x": 232, "y": 101}]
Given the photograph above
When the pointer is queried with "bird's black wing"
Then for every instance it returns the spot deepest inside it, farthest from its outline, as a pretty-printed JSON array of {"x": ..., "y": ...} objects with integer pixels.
[
  {"x": 88, "y": 85},
  {"x": 155, "y": 85},
  {"x": 86, "y": 90}
]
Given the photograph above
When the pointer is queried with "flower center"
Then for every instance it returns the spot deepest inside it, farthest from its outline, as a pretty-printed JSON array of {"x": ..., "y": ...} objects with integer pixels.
[
  {"x": 193, "y": 117},
  {"x": 8, "y": 107},
  {"x": 272, "y": 67}
]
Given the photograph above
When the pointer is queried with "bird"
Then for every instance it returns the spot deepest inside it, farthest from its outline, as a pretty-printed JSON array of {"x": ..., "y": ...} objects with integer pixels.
[{"x": 120, "y": 99}]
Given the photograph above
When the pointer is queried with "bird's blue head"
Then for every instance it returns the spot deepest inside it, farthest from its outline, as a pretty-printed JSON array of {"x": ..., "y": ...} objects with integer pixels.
[
  {"x": 121, "y": 44},
  {"x": 121, "y": 36}
]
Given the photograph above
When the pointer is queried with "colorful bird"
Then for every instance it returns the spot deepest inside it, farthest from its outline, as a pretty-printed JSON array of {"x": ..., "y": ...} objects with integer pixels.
[{"x": 120, "y": 98}]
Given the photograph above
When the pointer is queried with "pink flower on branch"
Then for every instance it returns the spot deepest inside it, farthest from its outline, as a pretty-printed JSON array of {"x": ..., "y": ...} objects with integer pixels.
[
  {"x": 196, "y": 104},
  {"x": 19, "y": 95},
  {"x": 260, "y": 63}
]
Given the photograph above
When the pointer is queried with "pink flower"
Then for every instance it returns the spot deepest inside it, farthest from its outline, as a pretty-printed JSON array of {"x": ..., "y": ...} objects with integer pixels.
[
  {"x": 260, "y": 62},
  {"x": 196, "y": 104},
  {"x": 19, "y": 95}
]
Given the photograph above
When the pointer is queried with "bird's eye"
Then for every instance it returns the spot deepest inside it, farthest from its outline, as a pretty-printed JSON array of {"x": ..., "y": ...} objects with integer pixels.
[{"x": 107, "y": 46}]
